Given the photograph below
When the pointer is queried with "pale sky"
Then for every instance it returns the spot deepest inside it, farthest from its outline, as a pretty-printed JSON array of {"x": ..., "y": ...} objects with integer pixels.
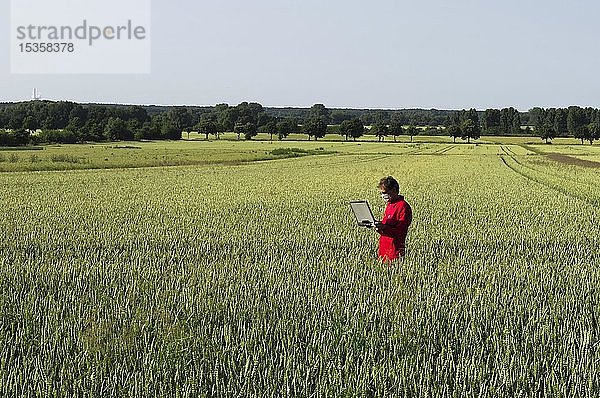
[{"x": 356, "y": 54}]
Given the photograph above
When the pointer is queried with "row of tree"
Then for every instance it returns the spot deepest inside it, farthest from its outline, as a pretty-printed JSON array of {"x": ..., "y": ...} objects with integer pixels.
[
  {"x": 416, "y": 117},
  {"x": 581, "y": 123},
  {"x": 464, "y": 124},
  {"x": 69, "y": 122},
  {"x": 574, "y": 121}
]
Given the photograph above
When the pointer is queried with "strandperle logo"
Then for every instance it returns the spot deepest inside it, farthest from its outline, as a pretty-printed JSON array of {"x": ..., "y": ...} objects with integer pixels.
[
  {"x": 90, "y": 37},
  {"x": 84, "y": 32}
]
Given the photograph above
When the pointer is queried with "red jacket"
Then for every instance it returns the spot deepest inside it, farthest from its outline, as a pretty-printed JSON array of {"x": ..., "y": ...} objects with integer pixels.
[{"x": 396, "y": 219}]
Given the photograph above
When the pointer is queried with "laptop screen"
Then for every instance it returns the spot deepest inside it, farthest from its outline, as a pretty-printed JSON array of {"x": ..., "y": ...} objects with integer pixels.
[{"x": 362, "y": 212}]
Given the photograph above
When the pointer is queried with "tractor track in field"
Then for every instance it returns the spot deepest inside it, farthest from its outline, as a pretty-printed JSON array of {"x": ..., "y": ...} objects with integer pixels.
[
  {"x": 564, "y": 159},
  {"x": 346, "y": 161},
  {"x": 444, "y": 150},
  {"x": 507, "y": 150},
  {"x": 510, "y": 153},
  {"x": 588, "y": 184},
  {"x": 531, "y": 149},
  {"x": 552, "y": 175},
  {"x": 554, "y": 187}
]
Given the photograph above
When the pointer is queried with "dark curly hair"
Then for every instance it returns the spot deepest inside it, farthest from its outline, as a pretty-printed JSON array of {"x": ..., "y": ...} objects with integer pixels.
[{"x": 389, "y": 183}]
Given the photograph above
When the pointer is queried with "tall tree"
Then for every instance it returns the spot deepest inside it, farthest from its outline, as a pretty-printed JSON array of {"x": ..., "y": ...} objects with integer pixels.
[
  {"x": 412, "y": 131},
  {"x": 250, "y": 130},
  {"x": 474, "y": 117},
  {"x": 180, "y": 118},
  {"x": 560, "y": 122},
  {"x": 575, "y": 119},
  {"x": 516, "y": 124},
  {"x": 454, "y": 131},
  {"x": 249, "y": 113},
  {"x": 345, "y": 129},
  {"x": 491, "y": 121},
  {"x": 546, "y": 132},
  {"x": 226, "y": 116},
  {"x": 269, "y": 127},
  {"x": 593, "y": 131},
  {"x": 206, "y": 126},
  {"x": 239, "y": 129},
  {"x": 316, "y": 127},
  {"x": 379, "y": 129},
  {"x": 396, "y": 128},
  {"x": 469, "y": 130},
  {"x": 286, "y": 127},
  {"x": 352, "y": 128},
  {"x": 320, "y": 111},
  {"x": 535, "y": 115},
  {"x": 581, "y": 132}
]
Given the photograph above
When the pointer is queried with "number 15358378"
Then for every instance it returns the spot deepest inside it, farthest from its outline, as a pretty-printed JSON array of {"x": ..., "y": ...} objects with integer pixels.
[{"x": 46, "y": 47}]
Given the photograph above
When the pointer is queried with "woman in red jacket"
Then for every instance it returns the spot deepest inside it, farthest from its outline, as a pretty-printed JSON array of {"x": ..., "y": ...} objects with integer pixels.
[{"x": 395, "y": 222}]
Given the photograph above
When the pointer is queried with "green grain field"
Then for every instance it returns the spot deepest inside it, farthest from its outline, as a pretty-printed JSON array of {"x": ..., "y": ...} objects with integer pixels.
[{"x": 226, "y": 268}]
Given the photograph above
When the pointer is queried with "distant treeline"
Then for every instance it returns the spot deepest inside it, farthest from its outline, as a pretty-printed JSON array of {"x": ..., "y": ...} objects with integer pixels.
[
  {"x": 68, "y": 122},
  {"x": 581, "y": 123},
  {"x": 416, "y": 117}
]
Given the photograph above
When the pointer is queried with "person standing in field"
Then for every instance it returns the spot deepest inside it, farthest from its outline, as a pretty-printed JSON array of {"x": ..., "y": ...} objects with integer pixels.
[{"x": 395, "y": 222}]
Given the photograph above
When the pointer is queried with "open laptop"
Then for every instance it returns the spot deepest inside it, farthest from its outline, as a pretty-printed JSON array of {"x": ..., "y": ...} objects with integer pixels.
[{"x": 363, "y": 213}]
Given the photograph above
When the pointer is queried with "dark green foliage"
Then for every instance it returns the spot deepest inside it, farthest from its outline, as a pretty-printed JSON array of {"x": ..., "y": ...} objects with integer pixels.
[
  {"x": 581, "y": 132},
  {"x": 90, "y": 122},
  {"x": 320, "y": 111},
  {"x": 269, "y": 128},
  {"x": 576, "y": 119},
  {"x": 352, "y": 128},
  {"x": 116, "y": 129},
  {"x": 469, "y": 130},
  {"x": 288, "y": 151},
  {"x": 454, "y": 131},
  {"x": 64, "y": 158},
  {"x": 248, "y": 129},
  {"x": 316, "y": 127},
  {"x": 546, "y": 132},
  {"x": 418, "y": 117},
  {"x": 411, "y": 131},
  {"x": 593, "y": 130},
  {"x": 287, "y": 126},
  {"x": 396, "y": 126},
  {"x": 82, "y": 122},
  {"x": 30, "y": 124},
  {"x": 180, "y": 118},
  {"x": 505, "y": 121},
  {"x": 560, "y": 122},
  {"x": 572, "y": 121},
  {"x": 380, "y": 130},
  {"x": 16, "y": 137},
  {"x": 57, "y": 137},
  {"x": 297, "y": 152},
  {"x": 206, "y": 127}
]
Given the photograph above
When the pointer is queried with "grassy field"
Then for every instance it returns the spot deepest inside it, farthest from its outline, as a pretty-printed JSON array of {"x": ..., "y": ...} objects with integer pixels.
[
  {"x": 197, "y": 151},
  {"x": 227, "y": 276}
]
